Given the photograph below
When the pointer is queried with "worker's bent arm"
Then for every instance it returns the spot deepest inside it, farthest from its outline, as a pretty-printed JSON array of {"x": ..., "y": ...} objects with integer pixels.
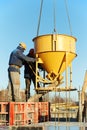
[{"x": 26, "y": 58}]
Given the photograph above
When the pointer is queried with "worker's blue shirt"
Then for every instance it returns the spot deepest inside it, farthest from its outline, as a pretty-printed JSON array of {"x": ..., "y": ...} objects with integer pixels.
[{"x": 17, "y": 58}]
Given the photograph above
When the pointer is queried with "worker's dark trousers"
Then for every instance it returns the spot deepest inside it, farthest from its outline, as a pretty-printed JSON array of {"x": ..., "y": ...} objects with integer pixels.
[
  {"x": 14, "y": 86},
  {"x": 27, "y": 90}
]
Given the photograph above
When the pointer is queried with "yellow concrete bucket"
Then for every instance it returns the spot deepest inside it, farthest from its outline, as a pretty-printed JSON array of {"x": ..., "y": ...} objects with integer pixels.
[{"x": 56, "y": 51}]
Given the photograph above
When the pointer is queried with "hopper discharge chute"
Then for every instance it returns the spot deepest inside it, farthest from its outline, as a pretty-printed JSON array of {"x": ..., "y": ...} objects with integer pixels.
[{"x": 55, "y": 53}]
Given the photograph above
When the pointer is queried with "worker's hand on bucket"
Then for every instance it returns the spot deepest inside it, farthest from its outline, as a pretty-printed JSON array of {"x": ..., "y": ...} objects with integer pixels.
[{"x": 32, "y": 59}]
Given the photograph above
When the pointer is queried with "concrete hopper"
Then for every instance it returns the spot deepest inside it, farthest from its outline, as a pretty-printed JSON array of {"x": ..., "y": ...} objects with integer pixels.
[{"x": 56, "y": 51}]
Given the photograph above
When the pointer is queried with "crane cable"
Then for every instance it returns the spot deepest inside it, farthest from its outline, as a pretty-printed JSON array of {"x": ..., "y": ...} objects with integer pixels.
[
  {"x": 68, "y": 17},
  {"x": 54, "y": 30},
  {"x": 39, "y": 18},
  {"x": 54, "y": 18}
]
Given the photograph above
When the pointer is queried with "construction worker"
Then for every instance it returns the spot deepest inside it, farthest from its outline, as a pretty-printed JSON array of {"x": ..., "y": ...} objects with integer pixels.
[
  {"x": 29, "y": 73},
  {"x": 16, "y": 61}
]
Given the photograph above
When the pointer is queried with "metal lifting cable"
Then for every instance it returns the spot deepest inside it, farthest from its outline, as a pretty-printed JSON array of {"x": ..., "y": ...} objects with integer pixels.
[
  {"x": 68, "y": 17},
  {"x": 54, "y": 18},
  {"x": 39, "y": 17}
]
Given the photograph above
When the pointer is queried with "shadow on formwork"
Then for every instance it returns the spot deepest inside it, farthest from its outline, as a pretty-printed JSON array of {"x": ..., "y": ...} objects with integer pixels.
[{"x": 22, "y": 128}]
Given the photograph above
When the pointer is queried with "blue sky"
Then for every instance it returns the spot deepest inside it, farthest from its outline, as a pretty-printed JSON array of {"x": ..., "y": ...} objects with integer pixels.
[{"x": 19, "y": 21}]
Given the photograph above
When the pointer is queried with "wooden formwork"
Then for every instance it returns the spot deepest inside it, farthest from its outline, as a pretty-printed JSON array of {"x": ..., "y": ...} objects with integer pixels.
[
  {"x": 23, "y": 113},
  {"x": 17, "y": 113},
  {"x": 44, "y": 111},
  {"x": 4, "y": 113},
  {"x": 32, "y": 112}
]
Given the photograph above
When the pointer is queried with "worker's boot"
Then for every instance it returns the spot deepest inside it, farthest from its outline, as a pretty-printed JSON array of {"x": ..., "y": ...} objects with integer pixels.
[{"x": 27, "y": 93}]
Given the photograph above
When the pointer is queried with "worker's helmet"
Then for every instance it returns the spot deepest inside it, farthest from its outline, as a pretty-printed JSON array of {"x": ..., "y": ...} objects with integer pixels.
[{"x": 23, "y": 45}]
